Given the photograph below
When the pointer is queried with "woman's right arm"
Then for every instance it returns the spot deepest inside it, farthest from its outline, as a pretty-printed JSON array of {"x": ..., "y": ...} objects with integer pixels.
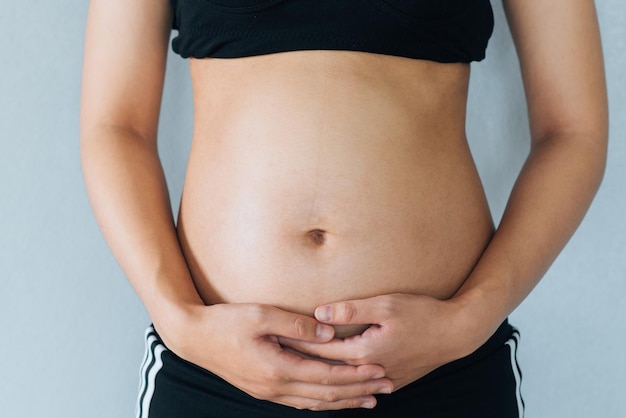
[{"x": 124, "y": 66}]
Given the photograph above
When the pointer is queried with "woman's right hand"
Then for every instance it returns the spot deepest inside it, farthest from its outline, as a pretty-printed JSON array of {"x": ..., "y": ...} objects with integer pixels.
[{"x": 239, "y": 342}]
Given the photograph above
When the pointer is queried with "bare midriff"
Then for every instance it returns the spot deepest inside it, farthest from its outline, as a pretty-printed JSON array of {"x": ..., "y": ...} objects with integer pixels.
[{"x": 320, "y": 176}]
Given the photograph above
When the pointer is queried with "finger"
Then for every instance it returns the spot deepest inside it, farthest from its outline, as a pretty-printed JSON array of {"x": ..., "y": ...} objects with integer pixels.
[
  {"x": 337, "y": 393},
  {"x": 359, "y": 311},
  {"x": 337, "y": 350},
  {"x": 303, "y": 354},
  {"x": 321, "y": 373},
  {"x": 325, "y": 397},
  {"x": 273, "y": 321},
  {"x": 368, "y": 402}
]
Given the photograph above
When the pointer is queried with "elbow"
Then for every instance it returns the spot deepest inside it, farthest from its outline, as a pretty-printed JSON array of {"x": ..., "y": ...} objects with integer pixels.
[
  {"x": 96, "y": 138},
  {"x": 595, "y": 144},
  {"x": 583, "y": 150}
]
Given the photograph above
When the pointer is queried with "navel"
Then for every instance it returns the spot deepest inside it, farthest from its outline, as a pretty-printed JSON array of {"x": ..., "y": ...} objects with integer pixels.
[{"x": 317, "y": 236}]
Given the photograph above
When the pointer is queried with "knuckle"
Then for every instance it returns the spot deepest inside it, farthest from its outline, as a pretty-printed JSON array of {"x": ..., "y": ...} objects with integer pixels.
[
  {"x": 258, "y": 314},
  {"x": 388, "y": 304},
  {"x": 368, "y": 390},
  {"x": 325, "y": 381},
  {"x": 353, "y": 403},
  {"x": 330, "y": 396},
  {"x": 301, "y": 326},
  {"x": 267, "y": 392},
  {"x": 272, "y": 374},
  {"x": 316, "y": 406},
  {"x": 361, "y": 356},
  {"x": 260, "y": 391},
  {"x": 348, "y": 311}
]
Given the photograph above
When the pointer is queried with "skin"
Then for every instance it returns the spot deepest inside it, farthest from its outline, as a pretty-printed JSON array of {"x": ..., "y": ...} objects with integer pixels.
[
  {"x": 560, "y": 56},
  {"x": 369, "y": 149}
]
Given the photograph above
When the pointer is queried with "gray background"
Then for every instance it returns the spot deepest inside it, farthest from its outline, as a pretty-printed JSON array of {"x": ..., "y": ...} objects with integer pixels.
[{"x": 71, "y": 327}]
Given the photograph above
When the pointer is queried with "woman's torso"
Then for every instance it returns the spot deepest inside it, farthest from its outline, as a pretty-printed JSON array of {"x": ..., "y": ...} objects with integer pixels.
[{"x": 318, "y": 176}]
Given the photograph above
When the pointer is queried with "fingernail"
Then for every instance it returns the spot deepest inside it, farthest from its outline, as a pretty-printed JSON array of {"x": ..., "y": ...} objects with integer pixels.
[
  {"x": 324, "y": 332},
  {"x": 367, "y": 405},
  {"x": 324, "y": 313},
  {"x": 379, "y": 375},
  {"x": 386, "y": 390}
]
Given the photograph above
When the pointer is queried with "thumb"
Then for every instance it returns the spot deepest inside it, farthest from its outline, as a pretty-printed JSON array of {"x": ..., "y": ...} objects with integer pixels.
[
  {"x": 275, "y": 321},
  {"x": 359, "y": 311}
]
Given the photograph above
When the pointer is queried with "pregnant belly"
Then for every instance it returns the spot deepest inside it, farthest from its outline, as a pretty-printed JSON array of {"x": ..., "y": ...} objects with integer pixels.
[
  {"x": 295, "y": 233},
  {"x": 305, "y": 193}
]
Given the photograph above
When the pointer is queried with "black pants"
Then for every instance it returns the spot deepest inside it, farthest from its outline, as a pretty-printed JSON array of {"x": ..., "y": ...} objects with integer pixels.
[{"x": 485, "y": 384}]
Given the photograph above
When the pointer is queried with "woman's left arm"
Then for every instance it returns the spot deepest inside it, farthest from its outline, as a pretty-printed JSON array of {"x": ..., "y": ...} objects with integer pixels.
[
  {"x": 559, "y": 48},
  {"x": 558, "y": 43}
]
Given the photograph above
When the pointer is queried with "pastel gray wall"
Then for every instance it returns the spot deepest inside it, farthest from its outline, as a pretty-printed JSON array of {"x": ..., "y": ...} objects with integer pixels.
[{"x": 71, "y": 327}]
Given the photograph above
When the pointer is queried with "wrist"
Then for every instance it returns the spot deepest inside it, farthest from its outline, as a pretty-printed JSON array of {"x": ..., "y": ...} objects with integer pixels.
[
  {"x": 171, "y": 300},
  {"x": 474, "y": 320},
  {"x": 176, "y": 322},
  {"x": 191, "y": 331}
]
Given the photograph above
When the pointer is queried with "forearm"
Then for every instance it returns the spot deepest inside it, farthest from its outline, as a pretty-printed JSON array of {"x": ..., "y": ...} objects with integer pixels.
[
  {"x": 128, "y": 193},
  {"x": 548, "y": 202}
]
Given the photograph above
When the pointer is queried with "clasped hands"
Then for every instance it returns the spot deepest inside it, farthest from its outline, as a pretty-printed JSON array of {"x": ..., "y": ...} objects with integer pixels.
[{"x": 294, "y": 360}]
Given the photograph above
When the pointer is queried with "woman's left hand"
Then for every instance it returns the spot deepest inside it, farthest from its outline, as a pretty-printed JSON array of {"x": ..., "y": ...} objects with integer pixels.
[{"x": 410, "y": 335}]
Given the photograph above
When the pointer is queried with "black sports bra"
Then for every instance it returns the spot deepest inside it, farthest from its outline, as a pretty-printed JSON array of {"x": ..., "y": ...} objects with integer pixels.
[{"x": 436, "y": 30}]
